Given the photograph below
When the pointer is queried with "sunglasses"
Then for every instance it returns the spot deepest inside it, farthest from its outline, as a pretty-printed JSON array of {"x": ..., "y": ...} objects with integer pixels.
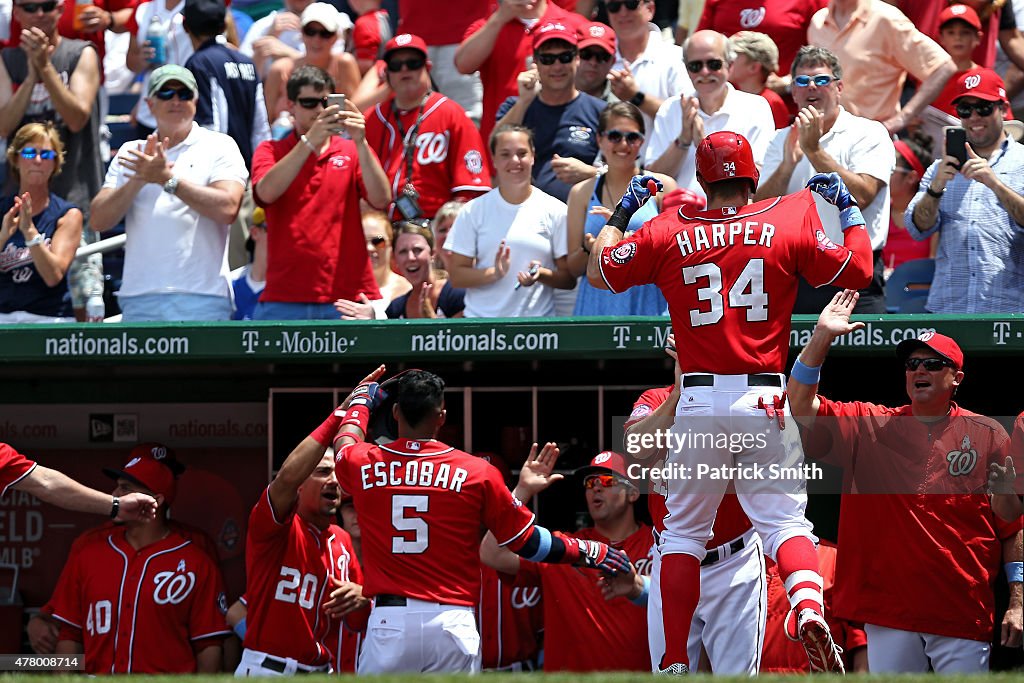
[
  {"x": 311, "y": 102},
  {"x": 549, "y": 58},
  {"x": 821, "y": 80},
  {"x": 412, "y": 64},
  {"x": 696, "y": 65},
  {"x": 313, "y": 32},
  {"x": 615, "y": 5},
  {"x": 167, "y": 94},
  {"x": 600, "y": 55},
  {"x": 964, "y": 109},
  {"x": 378, "y": 240},
  {"x": 605, "y": 480},
  {"x": 617, "y": 136},
  {"x": 930, "y": 364},
  {"x": 33, "y": 7},
  {"x": 32, "y": 153}
]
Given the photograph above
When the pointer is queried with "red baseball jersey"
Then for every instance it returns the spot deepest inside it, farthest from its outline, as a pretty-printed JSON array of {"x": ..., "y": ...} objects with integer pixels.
[
  {"x": 448, "y": 150},
  {"x": 730, "y": 277},
  {"x": 140, "y": 611},
  {"x": 924, "y": 483},
  {"x": 582, "y": 630},
  {"x": 289, "y": 563},
  {"x": 510, "y": 617},
  {"x": 423, "y": 508},
  {"x": 345, "y": 635},
  {"x": 13, "y": 467}
]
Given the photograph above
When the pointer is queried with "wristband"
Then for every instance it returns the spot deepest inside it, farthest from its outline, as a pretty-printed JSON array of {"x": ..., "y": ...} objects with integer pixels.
[
  {"x": 309, "y": 144},
  {"x": 850, "y": 216},
  {"x": 681, "y": 145},
  {"x": 115, "y": 507},
  {"x": 35, "y": 241},
  {"x": 239, "y": 629},
  {"x": 637, "y": 100},
  {"x": 1014, "y": 572},
  {"x": 619, "y": 218},
  {"x": 641, "y": 600},
  {"x": 325, "y": 433},
  {"x": 938, "y": 195},
  {"x": 805, "y": 374},
  {"x": 358, "y": 415}
]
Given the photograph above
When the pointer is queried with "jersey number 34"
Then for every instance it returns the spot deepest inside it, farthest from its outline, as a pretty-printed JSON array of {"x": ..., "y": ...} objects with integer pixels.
[{"x": 747, "y": 292}]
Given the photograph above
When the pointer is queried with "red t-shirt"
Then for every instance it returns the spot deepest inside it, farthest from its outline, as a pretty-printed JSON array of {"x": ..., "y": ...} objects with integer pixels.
[
  {"x": 786, "y": 21},
  {"x": 582, "y": 630},
  {"x": 316, "y": 250},
  {"x": 366, "y": 34},
  {"x": 900, "y": 247},
  {"x": 422, "y": 508},
  {"x": 947, "y": 526},
  {"x": 441, "y": 24},
  {"x": 500, "y": 70},
  {"x": 780, "y": 110},
  {"x": 13, "y": 467},
  {"x": 139, "y": 611},
  {"x": 449, "y": 151},
  {"x": 510, "y": 616},
  {"x": 730, "y": 277},
  {"x": 289, "y": 563}
]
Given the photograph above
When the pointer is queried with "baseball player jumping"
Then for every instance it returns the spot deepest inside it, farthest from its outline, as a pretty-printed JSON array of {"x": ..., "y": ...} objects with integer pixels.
[
  {"x": 730, "y": 274},
  {"x": 421, "y": 507}
]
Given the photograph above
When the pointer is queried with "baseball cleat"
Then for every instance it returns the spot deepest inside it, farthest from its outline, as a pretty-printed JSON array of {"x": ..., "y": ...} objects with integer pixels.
[
  {"x": 677, "y": 669},
  {"x": 822, "y": 652}
]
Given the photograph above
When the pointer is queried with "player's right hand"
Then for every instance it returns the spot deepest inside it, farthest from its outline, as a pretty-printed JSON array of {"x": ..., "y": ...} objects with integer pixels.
[
  {"x": 641, "y": 188},
  {"x": 133, "y": 506},
  {"x": 603, "y": 557},
  {"x": 832, "y": 189}
]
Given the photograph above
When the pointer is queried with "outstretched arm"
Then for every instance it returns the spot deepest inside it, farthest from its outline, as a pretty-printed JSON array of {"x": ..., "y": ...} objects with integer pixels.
[{"x": 59, "y": 489}]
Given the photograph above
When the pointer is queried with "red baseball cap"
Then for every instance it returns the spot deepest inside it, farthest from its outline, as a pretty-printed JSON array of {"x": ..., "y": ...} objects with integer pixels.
[
  {"x": 985, "y": 84},
  {"x": 960, "y": 13},
  {"x": 153, "y": 467},
  {"x": 405, "y": 41},
  {"x": 939, "y": 343},
  {"x": 554, "y": 30},
  {"x": 605, "y": 462},
  {"x": 595, "y": 33}
]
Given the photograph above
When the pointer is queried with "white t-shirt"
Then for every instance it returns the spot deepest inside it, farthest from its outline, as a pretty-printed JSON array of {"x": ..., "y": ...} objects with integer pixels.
[
  {"x": 170, "y": 247},
  {"x": 859, "y": 145},
  {"x": 177, "y": 45},
  {"x": 533, "y": 231},
  {"x": 743, "y": 113}
]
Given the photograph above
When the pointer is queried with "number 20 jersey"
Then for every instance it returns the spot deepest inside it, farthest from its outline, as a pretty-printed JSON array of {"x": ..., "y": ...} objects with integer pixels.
[
  {"x": 423, "y": 508},
  {"x": 730, "y": 277}
]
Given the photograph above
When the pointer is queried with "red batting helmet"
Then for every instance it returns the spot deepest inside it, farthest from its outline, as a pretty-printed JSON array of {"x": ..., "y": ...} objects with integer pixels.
[{"x": 726, "y": 155}]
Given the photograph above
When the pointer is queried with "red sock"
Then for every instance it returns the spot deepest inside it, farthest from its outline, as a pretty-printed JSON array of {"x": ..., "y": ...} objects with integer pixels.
[
  {"x": 799, "y": 555},
  {"x": 680, "y": 590}
]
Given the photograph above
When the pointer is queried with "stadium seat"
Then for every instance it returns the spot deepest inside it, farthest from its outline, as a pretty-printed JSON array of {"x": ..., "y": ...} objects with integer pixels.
[{"x": 906, "y": 290}]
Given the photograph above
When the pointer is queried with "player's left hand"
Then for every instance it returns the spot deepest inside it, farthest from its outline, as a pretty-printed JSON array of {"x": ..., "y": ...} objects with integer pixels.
[
  {"x": 1002, "y": 479},
  {"x": 136, "y": 506},
  {"x": 641, "y": 188},
  {"x": 627, "y": 585},
  {"x": 976, "y": 168},
  {"x": 366, "y": 381},
  {"x": 835, "y": 317},
  {"x": 1012, "y": 630},
  {"x": 832, "y": 189},
  {"x": 603, "y": 557},
  {"x": 345, "y": 597},
  {"x": 538, "y": 472}
]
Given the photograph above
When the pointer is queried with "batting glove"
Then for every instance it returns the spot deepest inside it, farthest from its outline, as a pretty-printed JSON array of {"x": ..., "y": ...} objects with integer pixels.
[
  {"x": 641, "y": 188},
  {"x": 832, "y": 189},
  {"x": 369, "y": 395},
  {"x": 597, "y": 555}
]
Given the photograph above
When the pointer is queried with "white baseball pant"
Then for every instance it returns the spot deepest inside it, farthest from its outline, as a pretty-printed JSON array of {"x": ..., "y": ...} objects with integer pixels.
[
  {"x": 420, "y": 637},
  {"x": 892, "y": 650}
]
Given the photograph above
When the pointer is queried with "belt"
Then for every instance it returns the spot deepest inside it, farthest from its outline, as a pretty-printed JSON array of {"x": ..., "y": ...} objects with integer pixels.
[
  {"x": 385, "y": 600},
  {"x": 764, "y": 380},
  {"x": 734, "y": 547},
  {"x": 280, "y": 666}
]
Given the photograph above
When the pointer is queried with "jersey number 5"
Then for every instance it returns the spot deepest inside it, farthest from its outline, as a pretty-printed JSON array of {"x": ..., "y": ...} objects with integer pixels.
[
  {"x": 417, "y": 525},
  {"x": 747, "y": 292}
]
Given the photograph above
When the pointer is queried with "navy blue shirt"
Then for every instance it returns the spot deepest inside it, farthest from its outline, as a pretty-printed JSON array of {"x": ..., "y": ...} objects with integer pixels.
[
  {"x": 21, "y": 286},
  {"x": 451, "y": 301},
  {"x": 568, "y": 130}
]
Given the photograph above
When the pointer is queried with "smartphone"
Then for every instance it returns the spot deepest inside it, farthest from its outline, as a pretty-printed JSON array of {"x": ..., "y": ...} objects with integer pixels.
[
  {"x": 956, "y": 144},
  {"x": 336, "y": 99}
]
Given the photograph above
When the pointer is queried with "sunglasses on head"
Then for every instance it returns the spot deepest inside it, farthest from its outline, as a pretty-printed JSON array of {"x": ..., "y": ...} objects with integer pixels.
[
  {"x": 32, "y": 153},
  {"x": 311, "y": 102},
  {"x": 615, "y": 5},
  {"x": 314, "y": 32},
  {"x": 549, "y": 58},
  {"x": 183, "y": 94},
  {"x": 821, "y": 80},
  {"x": 930, "y": 364},
  {"x": 605, "y": 480},
  {"x": 33, "y": 7},
  {"x": 697, "y": 64},
  {"x": 412, "y": 64},
  {"x": 617, "y": 136},
  {"x": 964, "y": 109},
  {"x": 600, "y": 55},
  {"x": 378, "y": 240}
]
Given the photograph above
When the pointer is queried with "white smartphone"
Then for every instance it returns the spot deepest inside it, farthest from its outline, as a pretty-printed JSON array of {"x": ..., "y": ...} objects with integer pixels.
[{"x": 337, "y": 99}]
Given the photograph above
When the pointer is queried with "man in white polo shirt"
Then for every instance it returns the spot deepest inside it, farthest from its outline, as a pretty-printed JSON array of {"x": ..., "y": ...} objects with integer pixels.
[
  {"x": 826, "y": 138},
  {"x": 177, "y": 191},
  {"x": 683, "y": 121}
]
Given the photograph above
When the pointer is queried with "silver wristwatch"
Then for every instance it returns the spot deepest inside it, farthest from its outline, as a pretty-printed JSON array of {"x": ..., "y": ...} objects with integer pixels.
[{"x": 171, "y": 186}]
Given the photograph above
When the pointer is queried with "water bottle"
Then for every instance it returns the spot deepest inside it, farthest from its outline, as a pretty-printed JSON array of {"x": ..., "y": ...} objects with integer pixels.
[
  {"x": 94, "y": 309},
  {"x": 282, "y": 126},
  {"x": 156, "y": 36}
]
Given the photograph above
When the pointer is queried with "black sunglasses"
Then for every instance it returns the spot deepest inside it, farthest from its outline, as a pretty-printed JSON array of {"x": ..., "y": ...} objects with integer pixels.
[
  {"x": 821, "y": 80},
  {"x": 615, "y": 5},
  {"x": 696, "y": 65},
  {"x": 323, "y": 33},
  {"x": 412, "y": 64},
  {"x": 549, "y": 58},
  {"x": 167, "y": 94},
  {"x": 587, "y": 54},
  {"x": 378, "y": 240},
  {"x": 930, "y": 364},
  {"x": 311, "y": 102},
  {"x": 33, "y": 7},
  {"x": 964, "y": 109},
  {"x": 617, "y": 136}
]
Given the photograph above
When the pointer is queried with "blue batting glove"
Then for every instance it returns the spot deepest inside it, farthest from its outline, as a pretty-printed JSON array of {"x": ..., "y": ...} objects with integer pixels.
[
  {"x": 597, "y": 555},
  {"x": 641, "y": 188},
  {"x": 369, "y": 395},
  {"x": 832, "y": 189}
]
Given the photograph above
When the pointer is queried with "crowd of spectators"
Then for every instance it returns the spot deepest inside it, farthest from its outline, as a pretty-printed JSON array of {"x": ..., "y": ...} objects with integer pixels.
[{"x": 515, "y": 125}]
